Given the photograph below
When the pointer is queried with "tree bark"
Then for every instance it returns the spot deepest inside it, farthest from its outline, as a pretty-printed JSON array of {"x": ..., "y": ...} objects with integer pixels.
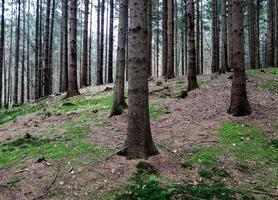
[
  {"x": 239, "y": 102},
  {"x": 139, "y": 143},
  {"x": 164, "y": 38},
  {"x": 198, "y": 37},
  {"x": 150, "y": 35},
  {"x": 23, "y": 59},
  {"x": 230, "y": 36},
  {"x": 270, "y": 35},
  {"x": 111, "y": 43},
  {"x": 215, "y": 41},
  {"x": 224, "y": 46},
  {"x": 192, "y": 79},
  {"x": 170, "y": 33},
  {"x": 73, "y": 87},
  {"x": 84, "y": 80},
  {"x": 252, "y": 39},
  {"x": 101, "y": 46},
  {"x": 119, "y": 103},
  {"x": 2, "y": 49}
]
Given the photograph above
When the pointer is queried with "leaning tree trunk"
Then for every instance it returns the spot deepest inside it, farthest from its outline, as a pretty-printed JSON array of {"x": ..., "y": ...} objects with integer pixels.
[
  {"x": 192, "y": 79},
  {"x": 111, "y": 43},
  {"x": 170, "y": 32},
  {"x": 119, "y": 103},
  {"x": 2, "y": 46},
  {"x": 139, "y": 143},
  {"x": 164, "y": 38},
  {"x": 84, "y": 79},
  {"x": 224, "y": 49},
  {"x": 270, "y": 36},
  {"x": 239, "y": 102},
  {"x": 73, "y": 87}
]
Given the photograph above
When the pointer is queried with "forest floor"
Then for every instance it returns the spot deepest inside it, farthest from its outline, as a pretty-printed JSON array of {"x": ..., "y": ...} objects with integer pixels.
[{"x": 64, "y": 149}]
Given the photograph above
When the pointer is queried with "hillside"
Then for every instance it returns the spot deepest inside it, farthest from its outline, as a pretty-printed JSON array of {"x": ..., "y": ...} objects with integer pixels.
[{"x": 65, "y": 149}]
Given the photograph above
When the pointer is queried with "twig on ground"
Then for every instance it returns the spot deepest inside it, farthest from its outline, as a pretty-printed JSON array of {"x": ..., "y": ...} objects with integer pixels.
[
  {"x": 115, "y": 153},
  {"x": 172, "y": 151},
  {"x": 23, "y": 170}
]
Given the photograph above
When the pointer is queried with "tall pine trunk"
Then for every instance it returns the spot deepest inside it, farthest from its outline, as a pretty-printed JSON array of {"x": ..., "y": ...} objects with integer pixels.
[
  {"x": 214, "y": 40},
  {"x": 73, "y": 87},
  {"x": 84, "y": 79},
  {"x": 111, "y": 43},
  {"x": 224, "y": 46},
  {"x": 270, "y": 35},
  {"x": 164, "y": 38},
  {"x": 192, "y": 79},
  {"x": 198, "y": 37},
  {"x": 252, "y": 38},
  {"x": 239, "y": 102},
  {"x": 2, "y": 47},
  {"x": 150, "y": 35},
  {"x": 119, "y": 103},
  {"x": 170, "y": 33}
]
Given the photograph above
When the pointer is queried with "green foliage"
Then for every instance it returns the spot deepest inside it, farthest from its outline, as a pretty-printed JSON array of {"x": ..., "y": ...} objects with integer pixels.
[
  {"x": 270, "y": 85},
  {"x": 156, "y": 111},
  {"x": 203, "y": 82},
  {"x": 270, "y": 70},
  {"x": 206, "y": 173},
  {"x": 13, "y": 113}
]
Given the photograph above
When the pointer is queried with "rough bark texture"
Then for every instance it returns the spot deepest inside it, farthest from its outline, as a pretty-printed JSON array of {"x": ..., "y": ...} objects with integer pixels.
[
  {"x": 257, "y": 40},
  {"x": 239, "y": 102},
  {"x": 2, "y": 43},
  {"x": 47, "y": 67},
  {"x": 224, "y": 45},
  {"x": 170, "y": 32},
  {"x": 22, "y": 96},
  {"x": 164, "y": 38},
  {"x": 119, "y": 103},
  {"x": 101, "y": 47},
  {"x": 150, "y": 35},
  {"x": 202, "y": 41},
  {"x": 64, "y": 48},
  {"x": 111, "y": 43},
  {"x": 139, "y": 143},
  {"x": 214, "y": 40},
  {"x": 270, "y": 35},
  {"x": 198, "y": 37},
  {"x": 73, "y": 87},
  {"x": 192, "y": 79},
  {"x": 276, "y": 34},
  {"x": 84, "y": 80}
]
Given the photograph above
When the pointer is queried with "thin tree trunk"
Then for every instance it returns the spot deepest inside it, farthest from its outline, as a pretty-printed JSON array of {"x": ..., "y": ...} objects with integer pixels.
[
  {"x": 149, "y": 38},
  {"x": 230, "y": 36},
  {"x": 84, "y": 80},
  {"x": 51, "y": 44},
  {"x": 276, "y": 35},
  {"x": 101, "y": 47},
  {"x": 28, "y": 56},
  {"x": 164, "y": 38},
  {"x": 119, "y": 103},
  {"x": 170, "y": 32},
  {"x": 239, "y": 102},
  {"x": 270, "y": 35},
  {"x": 23, "y": 59},
  {"x": 192, "y": 79},
  {"x": 73, "y": 87},
  {"x": 90, "y": 45},
  {"x": 252, "y": 42},
  {"x": 106, "y": 45},
  {"x": 202, "y": 40},
  {"x": 258, "y": 54},
  {"x": 111, "y": 43},
  {"x": 215, "y": 41},
  {"x": 2, "y": 49},
  {"x": 198, "y": 70},
  {"x": 224, "y": 45}
]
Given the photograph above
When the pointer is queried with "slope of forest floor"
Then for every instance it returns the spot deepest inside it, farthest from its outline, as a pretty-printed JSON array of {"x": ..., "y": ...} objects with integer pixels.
[{"x": 64, "y": 149}]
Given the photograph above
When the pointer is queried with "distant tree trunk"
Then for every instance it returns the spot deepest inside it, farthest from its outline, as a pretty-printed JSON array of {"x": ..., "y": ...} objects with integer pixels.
[
  {"x": 257, "y": 40},
  {"x": 224, "y": 45},
  {"x": 252, "y": 39},
  {"x": 106, "y": 44},
  {"x": 73, "y": 87},
  {"x": 101, "y": 47},
  {"x": 37, "y": 47},
  {"x": 84, "y": 80},
  {"x": 17, "y": 55},
  {"x": 215, "y": 41},
  {"x": 270, "y": 35},
  {"x": 10, "y": 63},
  {"x": 149, "y": 38},
  {"x": 90, "y": 44},
  {"x": 64, "y": 48},
  {"x": 157, "y": 37},
  {"x": 198, "y": 70},
  {"x": 2, "y": 49},
  {"x": 164, "y": 38},
  {"x": 176, "y": 39},
  {"x": 276, "y": 34},
  {"x": 23, "y": 59},
  {"x": 51, "y": 44},
  {"x": 230, "y": 36},
  {"x": 170, "y": 32},
  {"x": 47, "y": 67},
  {"x": 139, "y": 143},
  {"x": 202, "y": 40},
  {"x": 111, "y": 43},
  {"x": 119, "y": 103},
  {"x": 192, "y": 79},
  {"x": 28, "y": 56},
  {"x": 183, "y": 39},
  {"x": 239, "y": 102}
]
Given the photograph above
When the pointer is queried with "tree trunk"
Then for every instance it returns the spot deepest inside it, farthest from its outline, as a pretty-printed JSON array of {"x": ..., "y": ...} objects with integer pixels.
[
  {"x": 270, "y": 35},
  {"x": 23, "y": 59},
  {"x": 239, "y": 102},
  {"x": 198, "y": 37},
  {"x": 139, "y": 143},
  {"x": 252, "y": 42},
  {"x": 101, "y": 47},
  {"x": 119, "y": 103},
  {"x": 51, "y": 44},
  {"x": 202, "y": 40},
  {"x": 84, "y": 80},
  {"x": 170, "y": 33},
  {"x": 111, "y": 43},
  {"x": 276, "y": 34},
  {"x": 164, "y": 38},
  {"x": 29, "y": 82},
  {"x": 257, "y": 40},
  {"x": 192, "y": 79},
  {"x": 224, "y": 48},
  {"x": 150, "y": 35},
  {"x": 2, "y": 49},
  {"x": 230, "y": 36},
  {"x": 17, "y": 55},
  {"x": 214, "y": 40},
  {"x": 64, "y": 48},
  {"x": 90, "y": 45},
  {"x": 73, "y": 87}
]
